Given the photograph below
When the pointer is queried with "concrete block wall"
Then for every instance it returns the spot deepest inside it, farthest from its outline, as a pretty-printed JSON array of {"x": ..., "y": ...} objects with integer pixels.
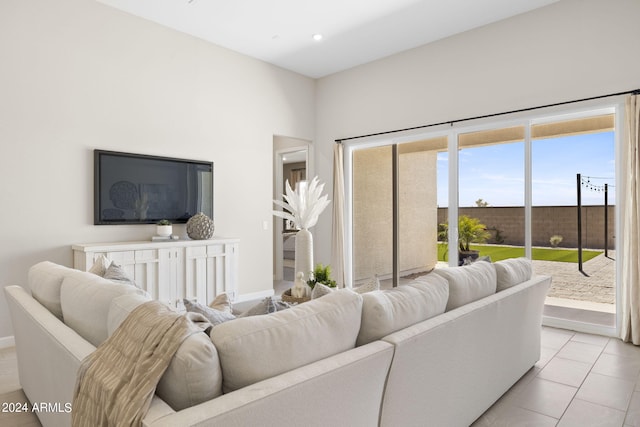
[{"x": 546, "y": 222}]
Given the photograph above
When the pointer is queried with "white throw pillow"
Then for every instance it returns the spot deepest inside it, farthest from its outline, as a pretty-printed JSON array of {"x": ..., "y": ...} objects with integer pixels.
[
  {"x": 468, "y": 283},
  {"x": 85, "y": 299},
  {"x": 387, "y": 311},
  {"x": 320, "y": 290},
  {"x": 44, "y": 280},
  {"x": 193, "y": 375},
  {"x": 222, "y": 303},
  {"x": 513, "y": 271},
  {"x": 100, "y": 265},
  {"x": 255, "y": 348}
]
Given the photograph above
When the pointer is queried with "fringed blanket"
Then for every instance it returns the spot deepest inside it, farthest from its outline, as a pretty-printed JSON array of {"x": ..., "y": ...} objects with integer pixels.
[{"x": 116, "y": 382}]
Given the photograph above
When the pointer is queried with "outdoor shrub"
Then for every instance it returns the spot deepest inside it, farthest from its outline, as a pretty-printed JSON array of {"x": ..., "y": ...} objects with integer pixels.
[
  {"x": 555, "y": 240},
  {"x": 470, "y": 230},
  {"x": 499, "y": 237}
]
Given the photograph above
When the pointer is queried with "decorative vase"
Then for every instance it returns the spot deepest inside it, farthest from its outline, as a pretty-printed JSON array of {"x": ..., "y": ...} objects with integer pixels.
[
  {"x": 304, "y": 253},
  {"x": 164, "y": 230},
  {"x": 200, "y": 227}
]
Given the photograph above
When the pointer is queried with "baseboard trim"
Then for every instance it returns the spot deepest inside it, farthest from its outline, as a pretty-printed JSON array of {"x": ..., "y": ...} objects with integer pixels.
[
  {"x": 6, "y": 342},
  {"x": 573, "y": 325}
]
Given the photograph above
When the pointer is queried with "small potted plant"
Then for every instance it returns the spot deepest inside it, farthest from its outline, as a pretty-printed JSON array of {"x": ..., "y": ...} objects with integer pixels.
[
  {"x": 321, "y": 274},
  {"x": 164, "y": 228}
]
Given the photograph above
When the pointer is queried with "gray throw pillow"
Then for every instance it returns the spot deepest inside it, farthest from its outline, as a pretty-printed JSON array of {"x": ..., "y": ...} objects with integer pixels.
[
  {"x": 117, "y": 274},
  {"x": 267, "y": 306},
  {"x": 214, "y": 316}
]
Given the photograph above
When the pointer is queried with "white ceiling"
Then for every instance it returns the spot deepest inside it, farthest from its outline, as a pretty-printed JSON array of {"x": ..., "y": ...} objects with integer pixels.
[{"x": 354, "y": 31}]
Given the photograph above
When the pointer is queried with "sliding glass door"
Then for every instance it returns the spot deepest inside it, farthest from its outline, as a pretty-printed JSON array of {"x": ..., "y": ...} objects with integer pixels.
[{"x": 510, "y": 189}]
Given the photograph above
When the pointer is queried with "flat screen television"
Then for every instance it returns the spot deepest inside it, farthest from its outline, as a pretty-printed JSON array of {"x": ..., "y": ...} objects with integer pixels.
[{"x": 142, "y": 189}]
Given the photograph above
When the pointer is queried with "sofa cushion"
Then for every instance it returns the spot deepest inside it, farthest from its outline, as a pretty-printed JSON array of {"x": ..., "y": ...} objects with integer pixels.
[
  {"x": 85, "y": 300},
  {"x": 512, "y": 271},
  {"x": 468, "y": 283},
  {"x": 193, "y": 375},
  {"x": 44, "y": 280},
  {"x": 255, "y": 348},
  {"x": 387, "y": 311},
  {"x": 120, "y": 307}
]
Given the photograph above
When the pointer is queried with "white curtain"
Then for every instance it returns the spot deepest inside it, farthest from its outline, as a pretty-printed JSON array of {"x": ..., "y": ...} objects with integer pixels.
[
  {"x": 337, "y": 241},
  {"x": 630, "y": 257}
]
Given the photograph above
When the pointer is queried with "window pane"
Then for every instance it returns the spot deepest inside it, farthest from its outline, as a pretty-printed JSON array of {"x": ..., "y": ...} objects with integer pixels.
[
  {"x": 491, "y": 194},
  {"x": 418, "y": 206},
  {"x": 372, "y": 213},
  {"x": 556, "y": 162}
]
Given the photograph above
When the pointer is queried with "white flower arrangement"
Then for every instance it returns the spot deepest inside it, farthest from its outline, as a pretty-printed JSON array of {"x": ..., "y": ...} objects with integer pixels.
[{"x": 304, "y": 205}]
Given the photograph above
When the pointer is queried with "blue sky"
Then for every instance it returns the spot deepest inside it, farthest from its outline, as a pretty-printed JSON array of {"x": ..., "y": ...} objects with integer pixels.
[{"x": 496, "y": 173}]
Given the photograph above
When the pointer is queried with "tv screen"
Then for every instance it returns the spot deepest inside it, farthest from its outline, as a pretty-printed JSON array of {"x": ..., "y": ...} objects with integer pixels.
[{"x": 141, "y": 189}]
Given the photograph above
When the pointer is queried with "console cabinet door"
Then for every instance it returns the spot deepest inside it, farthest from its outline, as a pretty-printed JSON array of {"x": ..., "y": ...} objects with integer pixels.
[
  {"x": 210, "y": 271},
  {"x": 171, "y": 276}
]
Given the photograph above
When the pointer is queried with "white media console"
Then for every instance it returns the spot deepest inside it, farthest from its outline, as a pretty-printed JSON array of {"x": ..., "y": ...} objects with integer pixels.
[{"x": 170, "y": 271}]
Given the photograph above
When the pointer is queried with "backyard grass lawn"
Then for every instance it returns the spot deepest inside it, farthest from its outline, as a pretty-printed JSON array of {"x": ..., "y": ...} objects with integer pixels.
[{"x": 498, "y": 253}]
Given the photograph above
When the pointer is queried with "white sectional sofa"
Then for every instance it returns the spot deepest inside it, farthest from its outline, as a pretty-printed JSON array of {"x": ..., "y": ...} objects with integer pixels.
[{"x": 386, "y": 358}]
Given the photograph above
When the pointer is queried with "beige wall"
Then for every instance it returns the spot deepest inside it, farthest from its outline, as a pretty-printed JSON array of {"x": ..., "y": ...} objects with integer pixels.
[
  {"x": 78, "y": 75},
  {"x": 546, "y": 221},
  {"x": 568, "y": 50},
  {"x": 372, "y": 194}
]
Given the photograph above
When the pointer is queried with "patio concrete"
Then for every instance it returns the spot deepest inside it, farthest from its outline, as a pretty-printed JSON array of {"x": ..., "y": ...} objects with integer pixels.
[
  {"x": 594, "y": 290},
  {"x": 596, "y": 285}
]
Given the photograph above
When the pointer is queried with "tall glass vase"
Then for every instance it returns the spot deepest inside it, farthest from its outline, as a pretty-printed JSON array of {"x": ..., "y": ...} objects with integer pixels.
[{"x": 304, "y": 253}]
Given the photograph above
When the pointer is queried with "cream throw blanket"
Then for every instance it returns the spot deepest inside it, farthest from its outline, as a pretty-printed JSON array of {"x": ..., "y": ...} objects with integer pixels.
[{"x": 117, "y": 381}]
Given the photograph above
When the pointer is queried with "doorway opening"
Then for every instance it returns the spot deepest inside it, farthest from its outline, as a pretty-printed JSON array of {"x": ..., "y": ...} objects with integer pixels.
[{"x": 292, "y": 163}]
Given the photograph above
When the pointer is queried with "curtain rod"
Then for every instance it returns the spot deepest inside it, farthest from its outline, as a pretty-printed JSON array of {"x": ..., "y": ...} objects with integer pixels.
[{"x": 451, "y": 122}]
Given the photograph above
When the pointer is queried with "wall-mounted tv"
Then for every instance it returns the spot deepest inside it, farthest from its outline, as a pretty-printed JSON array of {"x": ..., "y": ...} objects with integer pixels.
[{"x": 142, "y": 189}]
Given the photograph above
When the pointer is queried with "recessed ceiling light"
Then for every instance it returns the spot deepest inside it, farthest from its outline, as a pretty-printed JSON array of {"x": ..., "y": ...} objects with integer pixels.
[{"x": 317, "y": 37}]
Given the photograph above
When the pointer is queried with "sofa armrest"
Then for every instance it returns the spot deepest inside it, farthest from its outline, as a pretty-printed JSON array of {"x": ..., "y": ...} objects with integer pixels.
[
  {"x": 441, "y": 365},
  {"x": 49, "y": 354},
  {"x": 344, "y": 389}
]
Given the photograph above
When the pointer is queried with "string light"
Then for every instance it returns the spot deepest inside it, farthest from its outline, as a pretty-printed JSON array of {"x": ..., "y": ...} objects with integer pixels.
[{"x": 585, "y": 181}]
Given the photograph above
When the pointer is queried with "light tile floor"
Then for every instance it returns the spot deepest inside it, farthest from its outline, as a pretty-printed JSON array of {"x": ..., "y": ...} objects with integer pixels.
[{"x": 581, "y": 380}]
